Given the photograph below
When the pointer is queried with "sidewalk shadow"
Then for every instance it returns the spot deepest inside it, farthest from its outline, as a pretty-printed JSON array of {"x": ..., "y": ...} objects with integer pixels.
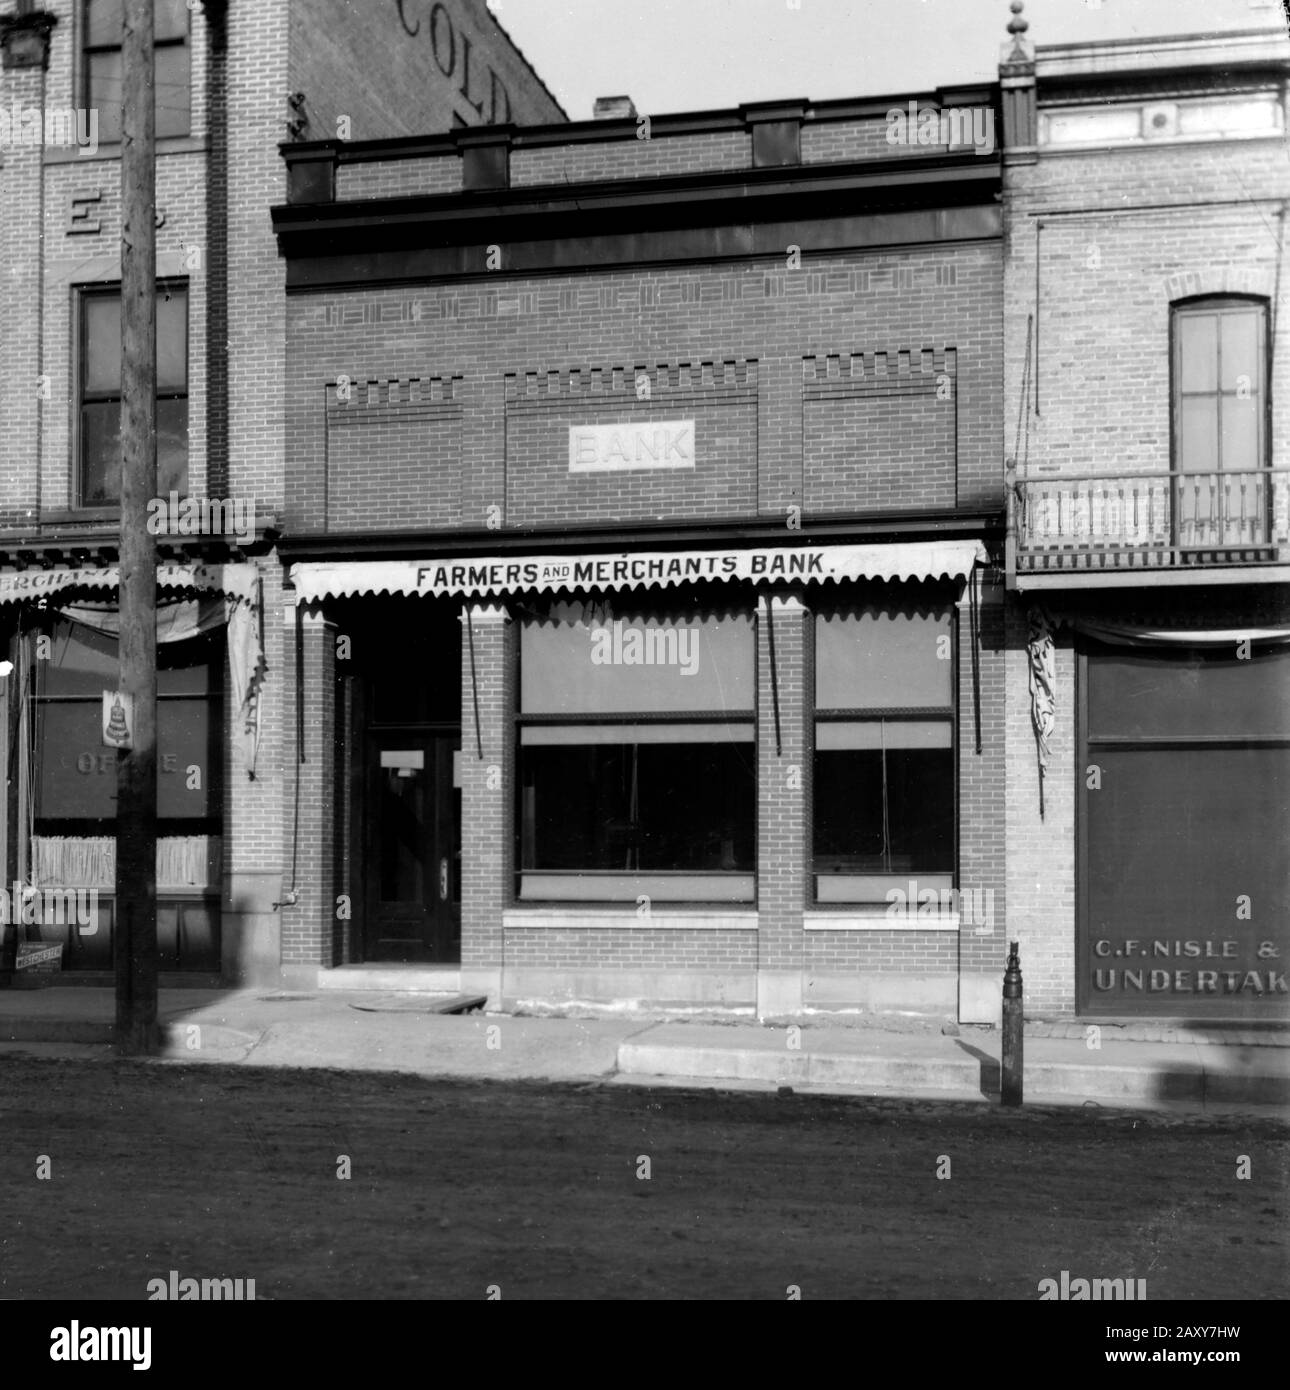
[{"x": 990, "y": 1080}]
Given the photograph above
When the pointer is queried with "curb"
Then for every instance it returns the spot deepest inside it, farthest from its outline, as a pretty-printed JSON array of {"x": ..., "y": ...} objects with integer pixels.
[{"x": 1197, "y": 1086}]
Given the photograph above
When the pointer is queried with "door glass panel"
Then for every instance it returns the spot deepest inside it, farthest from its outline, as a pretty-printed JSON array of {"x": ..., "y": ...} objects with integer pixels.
[
  {"x": 1199, "y": 451},
  {"x": 1198, "y": 338},
  {"x": 401, "y": 827},
  {"x": 1240, "y": 351},
  {"x": 1240, "y": 433}
]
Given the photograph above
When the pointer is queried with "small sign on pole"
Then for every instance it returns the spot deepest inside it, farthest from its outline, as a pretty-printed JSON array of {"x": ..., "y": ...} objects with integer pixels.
[{"x": 118, "y": 719}]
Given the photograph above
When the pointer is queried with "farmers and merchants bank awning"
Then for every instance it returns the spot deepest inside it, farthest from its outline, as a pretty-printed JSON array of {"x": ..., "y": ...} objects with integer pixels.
[{"x": 483, "y": 576}]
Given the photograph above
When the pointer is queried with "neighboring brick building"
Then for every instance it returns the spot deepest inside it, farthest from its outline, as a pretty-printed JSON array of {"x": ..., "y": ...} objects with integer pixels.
[
  {"x": 235, "y": 78},
  {"x": 1147, "y": 409},
  {"x": 695, "y": 422}
]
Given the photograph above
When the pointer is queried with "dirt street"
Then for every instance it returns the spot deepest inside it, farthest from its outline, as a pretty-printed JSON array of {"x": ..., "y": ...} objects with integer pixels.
[{"x": 610, "y": 1192}]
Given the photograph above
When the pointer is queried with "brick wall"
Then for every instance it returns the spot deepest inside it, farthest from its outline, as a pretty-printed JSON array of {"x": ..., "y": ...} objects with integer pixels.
[
  {"x": 393, "y": 456},
  {"x": 879, "y": 439},
  {"x": 487, "y": 783},
  {"x": 1124, "y": 234},
  {"x": 720, "y": 398},
  {"x": 784, "y": 781},
  {"x": 400, "y": 178},
  {"x": 485, "y": 332},
  {"x": 308, "y": 926},
  {"x": 983, "y": 792},
  {"x": 630, "y": 948},
  {"x": 630, "y": 157},
  {"x": 1111, "y": 263},
  {"x": 1041, "y": 848}
]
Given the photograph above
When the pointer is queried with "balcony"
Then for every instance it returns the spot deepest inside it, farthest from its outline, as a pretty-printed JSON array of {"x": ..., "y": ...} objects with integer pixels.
[{"x": 1084, "y": 529}]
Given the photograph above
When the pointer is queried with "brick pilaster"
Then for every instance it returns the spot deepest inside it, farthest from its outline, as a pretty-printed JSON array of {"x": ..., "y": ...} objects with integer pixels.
[
  {"x": 308, "y": 924},
  {"x": 487, "y": 792},
  {"x": 783, "y": 791}
]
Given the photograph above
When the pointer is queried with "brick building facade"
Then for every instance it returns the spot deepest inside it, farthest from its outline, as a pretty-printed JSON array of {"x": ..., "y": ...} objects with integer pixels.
[
  {"x": 763, "y": 559},
  {"x": 724, "y": 387},
  {"x": 234, "y": 80},
  {"x": 1147, "y": 400}
]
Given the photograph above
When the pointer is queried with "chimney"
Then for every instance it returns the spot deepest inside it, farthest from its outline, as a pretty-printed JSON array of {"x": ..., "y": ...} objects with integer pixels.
[{"x": 614, "y": 109}]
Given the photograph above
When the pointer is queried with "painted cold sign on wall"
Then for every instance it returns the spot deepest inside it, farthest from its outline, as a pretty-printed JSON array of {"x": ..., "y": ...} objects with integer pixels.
[{"x": 457, "y": 55}]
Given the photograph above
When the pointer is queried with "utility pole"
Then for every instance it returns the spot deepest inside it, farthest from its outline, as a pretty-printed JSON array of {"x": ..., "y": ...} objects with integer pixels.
[{"x": 135, "y": 940}]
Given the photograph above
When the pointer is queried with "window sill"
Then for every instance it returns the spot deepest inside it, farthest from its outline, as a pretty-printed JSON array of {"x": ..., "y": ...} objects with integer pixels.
[
  {"x": 626, "y": 889},
  {"x": 82, "y": 516},
  {"x": 860, "y": 918},
  {"x": 621, "y": 915},
  {"x": 168, "y": 144}
]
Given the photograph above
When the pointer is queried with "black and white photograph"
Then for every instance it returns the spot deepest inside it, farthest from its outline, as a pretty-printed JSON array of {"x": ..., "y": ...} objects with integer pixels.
[{"x": 644, "y": 657}]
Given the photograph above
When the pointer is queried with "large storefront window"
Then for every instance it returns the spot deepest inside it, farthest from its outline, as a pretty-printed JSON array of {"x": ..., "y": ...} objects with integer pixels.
[
  {"x": 884, "y": 753},
  {"x": 1184, "y": 833},
  {"x": 74, "y": 789},
  {"x": 76, "y": 774},
  {"x": 637, "y": 774}
]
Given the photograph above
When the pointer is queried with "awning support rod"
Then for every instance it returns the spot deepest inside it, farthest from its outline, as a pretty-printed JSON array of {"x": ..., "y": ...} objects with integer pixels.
[
  {"x": 774, "y": 673},
  {"x": 474, "y": 684},
  {"x": 300, "y": 686},
  {"x": 974, "y": 613}
]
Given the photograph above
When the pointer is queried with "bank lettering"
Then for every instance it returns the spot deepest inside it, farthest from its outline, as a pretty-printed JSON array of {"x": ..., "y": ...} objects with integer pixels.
[{"x": 641, "y": 444}]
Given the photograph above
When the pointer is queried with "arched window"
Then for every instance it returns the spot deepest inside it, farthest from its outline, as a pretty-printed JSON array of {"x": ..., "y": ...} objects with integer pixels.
[{"x": 1220, "y": 434}]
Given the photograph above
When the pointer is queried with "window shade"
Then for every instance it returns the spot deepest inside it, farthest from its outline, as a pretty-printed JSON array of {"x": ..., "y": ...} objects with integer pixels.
[
  {"x": 624, "y": 664},
  {"x": 882, "y": 660}
]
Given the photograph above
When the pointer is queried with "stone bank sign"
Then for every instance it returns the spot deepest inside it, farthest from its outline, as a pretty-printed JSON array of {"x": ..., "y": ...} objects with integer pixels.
[
  {"x": 477, "y": 81},
  {"x": 642, "y": 444}
]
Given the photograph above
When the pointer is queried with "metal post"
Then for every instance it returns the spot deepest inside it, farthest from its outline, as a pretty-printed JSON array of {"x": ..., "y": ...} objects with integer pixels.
[{"x": 1013, "y": 1029}]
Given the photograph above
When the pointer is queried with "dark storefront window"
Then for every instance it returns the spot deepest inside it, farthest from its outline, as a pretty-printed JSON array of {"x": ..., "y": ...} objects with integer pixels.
[
  {"x": 103, "y": 67},
  {"x": 636, "y": 756},
  {"x": 100, "y": 394},
  {"x": 76, "y": 776},
  {"x": 884, "y": 753},
  {"x": 74, "y": 783},
  {"x": 1184, "y": 834}
]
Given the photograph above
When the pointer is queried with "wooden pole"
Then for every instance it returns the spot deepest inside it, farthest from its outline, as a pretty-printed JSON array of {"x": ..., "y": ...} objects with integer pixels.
[{"x": 135, "y": 943}]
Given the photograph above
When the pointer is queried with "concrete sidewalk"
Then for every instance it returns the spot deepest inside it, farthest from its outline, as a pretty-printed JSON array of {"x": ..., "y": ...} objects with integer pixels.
[{"x": 371, "y": 1030}]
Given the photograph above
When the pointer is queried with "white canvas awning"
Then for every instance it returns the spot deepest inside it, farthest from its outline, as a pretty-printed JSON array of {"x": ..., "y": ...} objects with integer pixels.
[
  {"x": 238, "y": 581},
  {"x": 488, "y": 575}
]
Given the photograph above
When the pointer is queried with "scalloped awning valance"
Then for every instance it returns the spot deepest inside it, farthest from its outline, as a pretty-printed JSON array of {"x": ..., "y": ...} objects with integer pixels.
[{"x": 483, "y": 576}]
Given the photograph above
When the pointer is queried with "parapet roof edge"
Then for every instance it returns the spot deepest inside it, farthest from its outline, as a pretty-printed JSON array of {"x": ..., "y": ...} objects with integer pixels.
[
  {"x": 1115, "y": 57},
  {"x": 667, "y": 123}
]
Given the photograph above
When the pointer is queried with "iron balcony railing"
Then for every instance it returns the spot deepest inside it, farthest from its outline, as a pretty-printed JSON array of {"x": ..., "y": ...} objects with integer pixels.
[{"x": 1114, "y": 521}]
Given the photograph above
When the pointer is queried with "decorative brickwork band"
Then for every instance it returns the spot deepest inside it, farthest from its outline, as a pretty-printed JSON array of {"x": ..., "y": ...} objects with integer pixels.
[
  {"x": 576, "y": 382},
  {"x": 878, "y": 371}
]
